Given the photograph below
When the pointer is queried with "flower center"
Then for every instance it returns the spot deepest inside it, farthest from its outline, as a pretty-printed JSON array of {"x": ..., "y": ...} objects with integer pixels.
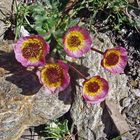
[
  {"x": 32, "y": 50},
  {"x": 93, "y": 87},
  {"x": 74, "y": 41},
  {"x": 54, "y": 74},
  {"x": 112, "y": 59}
]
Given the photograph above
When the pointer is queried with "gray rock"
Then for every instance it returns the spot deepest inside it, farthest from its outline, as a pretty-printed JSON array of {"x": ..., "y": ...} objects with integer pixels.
[
  {"x": 2, "y": 29},
  {"x": 5, "y": 10},
  {"x": 23, "y": 102},
  {"x": 134, "y": 12},
  {"x": 89, "y": 119},
  {"x": 136, "y": 92},
  {"x": 126, "y": 102}
]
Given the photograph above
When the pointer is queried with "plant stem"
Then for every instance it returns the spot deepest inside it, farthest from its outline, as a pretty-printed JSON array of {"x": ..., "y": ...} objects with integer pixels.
[
  {"x": 76, "y": 70},
  {"x": 28, "y": 21},
  {"x": 98, "y": 51}
]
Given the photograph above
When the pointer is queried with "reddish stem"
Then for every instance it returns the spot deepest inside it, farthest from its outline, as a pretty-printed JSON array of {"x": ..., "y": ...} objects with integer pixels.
[
  {"x": 98, "y": 51},
  {"x": 73, "y": 68}
]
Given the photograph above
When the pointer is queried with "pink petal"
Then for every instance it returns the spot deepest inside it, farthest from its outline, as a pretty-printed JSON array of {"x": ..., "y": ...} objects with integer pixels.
[
  {"x": 63, "y": 65},
  {"x": 64, "y": 84},
  {"x": 18, "y": 51},
  {"x": 101, "y": 96},
  {"x": 118, "y": 68},
  {"x": 86, "y": 46},
  {"x": 39, "y": 76},
  {"x": 48, "y": 91},
  {"x": 94, "y": 100}
]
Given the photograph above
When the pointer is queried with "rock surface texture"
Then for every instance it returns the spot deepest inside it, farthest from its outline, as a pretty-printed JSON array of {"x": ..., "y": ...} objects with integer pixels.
[
  {"x": 6, "y": 10},
  {"x": 94, "y": 121},
  {"x": 23, "y": 102}
]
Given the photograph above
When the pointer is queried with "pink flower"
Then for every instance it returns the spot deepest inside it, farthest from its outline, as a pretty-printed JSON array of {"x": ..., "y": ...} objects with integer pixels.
[
  {"x": 31, "y": 50},
  {"x": 54, "y": 77},
  {"x": 95, "y": 90},
  {"x": 77, "y": 42},
  {"x": 115, "y": 60}
]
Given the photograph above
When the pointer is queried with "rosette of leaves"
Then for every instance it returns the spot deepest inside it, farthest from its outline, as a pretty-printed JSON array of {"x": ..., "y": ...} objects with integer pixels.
[
  {"x": 112, "y": 13},
  {"x": 56, "y": 130},
  {"x": 48, "y": 18}
]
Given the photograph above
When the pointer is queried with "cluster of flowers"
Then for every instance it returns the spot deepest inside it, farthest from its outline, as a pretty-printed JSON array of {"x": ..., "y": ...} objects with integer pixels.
[{"x": 32, "y": 51}]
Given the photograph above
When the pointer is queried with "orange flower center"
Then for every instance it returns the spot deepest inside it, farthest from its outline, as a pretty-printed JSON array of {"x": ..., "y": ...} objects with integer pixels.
[
  {"x": 32, "y": 50},
  {"x": 112, "y": 59},
  {"x": 74, "y": 41},
  {"x": 93, "y": 87}
]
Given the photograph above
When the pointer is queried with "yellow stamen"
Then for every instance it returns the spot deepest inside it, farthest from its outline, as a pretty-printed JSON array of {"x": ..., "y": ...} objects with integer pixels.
[
  {"x": 74, "y": 40},
  {"x": 32, "y": 49},
  {"x": 52, "y": 75},
  {"x": 112, "y": 58},
  {"x": 93, "y": 87}
]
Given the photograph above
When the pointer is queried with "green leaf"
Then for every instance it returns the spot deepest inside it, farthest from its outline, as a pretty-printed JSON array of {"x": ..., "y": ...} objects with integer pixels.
[
  {"x": 51, "y": 22},
  {"x": 40, "y": 18},
  {"x": 40, "y": 30},
  {"x": 73, "y": 22},
  {"x": 59, "y": 35}
]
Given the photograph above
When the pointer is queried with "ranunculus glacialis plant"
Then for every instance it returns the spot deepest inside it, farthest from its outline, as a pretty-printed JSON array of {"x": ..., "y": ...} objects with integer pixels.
[
  {"x": 77, "y": 42},
  {"x": 95, "y": 89},
  {"x": 31, "y": 50},
  {"x": 115, "y": 60},
  {"x": 54, "y": 77}
]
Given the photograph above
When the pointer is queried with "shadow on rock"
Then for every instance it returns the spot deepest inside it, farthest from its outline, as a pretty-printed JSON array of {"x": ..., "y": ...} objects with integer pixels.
[
  {"x": 81, "y": 68},
  {"x": 110, "y": 128},
  {"x": 18, "y": 75},
  {"x": 65, "y": 95},
  {"x": 75, "y": 76},
  {"x": 133, "y": 41}
]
